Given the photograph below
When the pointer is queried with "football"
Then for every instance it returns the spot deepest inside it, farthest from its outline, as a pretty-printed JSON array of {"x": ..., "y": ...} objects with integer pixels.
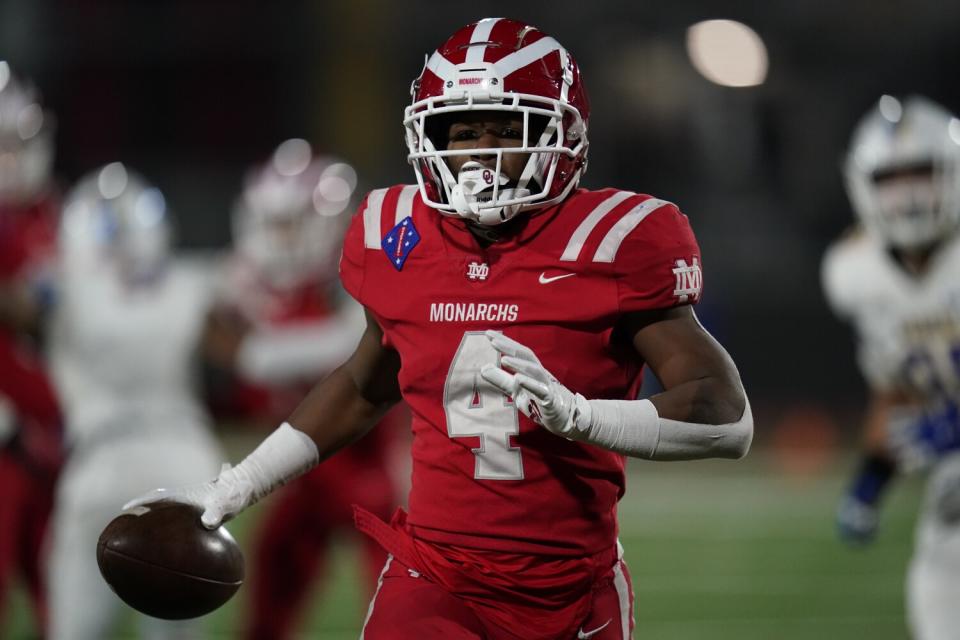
[{"x": 162, "y": 562}]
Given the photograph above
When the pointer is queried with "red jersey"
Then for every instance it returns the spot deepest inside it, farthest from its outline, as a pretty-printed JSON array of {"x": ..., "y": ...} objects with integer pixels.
[
  {"x": 28, "y": 237},
  {"x": 484, "y": 475},
  {"x": 27, "y": 247}
]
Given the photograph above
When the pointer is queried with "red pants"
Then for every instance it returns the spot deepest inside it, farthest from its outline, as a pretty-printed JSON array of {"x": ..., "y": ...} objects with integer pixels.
[
  {"x": 25, "y": 505},
  {"x": 440, "y": 592},
  {"x": 291, "y": 550}
]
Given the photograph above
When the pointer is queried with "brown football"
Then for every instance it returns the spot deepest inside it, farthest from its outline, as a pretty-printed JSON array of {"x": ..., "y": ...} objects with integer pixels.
[{"x": 161, "y": 561}]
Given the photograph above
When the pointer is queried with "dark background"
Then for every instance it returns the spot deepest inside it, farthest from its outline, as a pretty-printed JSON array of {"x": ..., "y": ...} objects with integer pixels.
[{"x": 191, "y": 92}]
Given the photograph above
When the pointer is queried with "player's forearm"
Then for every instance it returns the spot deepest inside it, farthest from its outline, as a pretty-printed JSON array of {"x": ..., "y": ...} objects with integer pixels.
[
  {"x": 712, "y": 399},
  {"x": 338, "y": 411},
  {"x": 332, "y": 416},
  {"x": 353, "y": 398},
  {"x": 703, "y": 411},
  {"x": 636, "y": 428},
  {"x": 708, "y": 417}
]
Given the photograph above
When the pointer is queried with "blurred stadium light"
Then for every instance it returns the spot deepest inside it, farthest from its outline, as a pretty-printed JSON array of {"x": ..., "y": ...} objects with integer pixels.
[{"x": 728, "y": 53}]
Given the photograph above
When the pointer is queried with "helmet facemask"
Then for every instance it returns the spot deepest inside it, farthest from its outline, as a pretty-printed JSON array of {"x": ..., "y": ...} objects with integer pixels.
[
  {"x": 910, "y": 205},
  {"x": 552, "y": 131}
]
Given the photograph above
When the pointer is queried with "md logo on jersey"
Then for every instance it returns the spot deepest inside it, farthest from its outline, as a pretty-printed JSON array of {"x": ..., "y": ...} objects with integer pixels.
[
  {"x": 689, "y": 280},
  {"x": 478, "y": 271},
  {"x": 400, "y": 241}
]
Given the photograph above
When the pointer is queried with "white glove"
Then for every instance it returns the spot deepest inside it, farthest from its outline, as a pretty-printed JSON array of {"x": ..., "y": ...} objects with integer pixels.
[
  {"x": 535, "y": 391},
  {"x": 285, "y": 454},
  {"x": 220, "y": 499}
]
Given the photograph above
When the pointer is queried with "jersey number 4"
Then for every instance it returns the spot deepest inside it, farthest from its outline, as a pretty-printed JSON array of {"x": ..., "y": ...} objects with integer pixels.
[{"x": 476, "y": 409}]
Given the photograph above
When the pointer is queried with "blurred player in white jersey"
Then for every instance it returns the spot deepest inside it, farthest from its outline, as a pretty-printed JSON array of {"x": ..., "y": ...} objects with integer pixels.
[
  {"x": 897, "y": 280},
  {"x": 282, "y": 324},
  {"x": 124, "y": 327}
]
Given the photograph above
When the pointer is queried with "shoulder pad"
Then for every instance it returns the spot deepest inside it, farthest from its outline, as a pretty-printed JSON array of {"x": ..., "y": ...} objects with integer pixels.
[{"x": 851, "y": 267}]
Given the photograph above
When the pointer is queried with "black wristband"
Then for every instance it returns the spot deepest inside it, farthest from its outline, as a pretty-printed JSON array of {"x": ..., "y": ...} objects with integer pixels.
[{"x": 872, "y": 478}]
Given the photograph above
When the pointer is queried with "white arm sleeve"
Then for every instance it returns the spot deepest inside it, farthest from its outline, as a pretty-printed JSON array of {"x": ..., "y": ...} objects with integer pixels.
[
  {"x": 284, "y": 455},
  {"x": 276, "y": 356},
  {"x": 634, "y": 428}
]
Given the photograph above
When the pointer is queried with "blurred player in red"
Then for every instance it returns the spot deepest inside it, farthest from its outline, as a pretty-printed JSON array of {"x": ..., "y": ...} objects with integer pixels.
[
  {"x": 513, "y": 313},
  {"x": 30, "y": 424},
  {"x": 283, "y": 323}
]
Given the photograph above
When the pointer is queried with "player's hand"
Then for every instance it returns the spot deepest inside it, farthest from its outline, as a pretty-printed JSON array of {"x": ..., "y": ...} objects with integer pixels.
[
  {"x": 219, "y": 500},
  {"x": 856, "y": 521},
  {"x": 919, "y": 439},
  {"x": 534, "y": 390}
]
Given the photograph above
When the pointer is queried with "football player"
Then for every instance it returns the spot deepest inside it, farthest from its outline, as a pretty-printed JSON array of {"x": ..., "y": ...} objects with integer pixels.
[
  {"x": 30, "y": 423},
  {"x": 895, "y": 280},
  {"x": 513, "y": 313},
  {"x": 123, "y": 328},
  {"x": 282, "y": 323}
]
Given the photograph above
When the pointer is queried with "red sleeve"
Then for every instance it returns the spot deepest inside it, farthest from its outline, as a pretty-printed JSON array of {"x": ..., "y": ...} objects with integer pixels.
[
  {"x": 658, "y": 264},
  {"x": 352, "y": 257},
  {"x": 27, "y": 240}
]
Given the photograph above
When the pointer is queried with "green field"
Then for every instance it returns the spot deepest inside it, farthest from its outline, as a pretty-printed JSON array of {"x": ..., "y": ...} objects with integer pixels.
[{"x": 718, "y": 550}]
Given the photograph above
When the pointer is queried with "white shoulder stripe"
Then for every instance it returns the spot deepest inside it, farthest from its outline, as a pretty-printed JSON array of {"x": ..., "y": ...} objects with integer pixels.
[
  {"x": 519, "y": 59},
  {"x": 481, "y": 33},
  {"x": 572, "y": 252},
  {"x": 607, "y": 251},
  {"x": 371, "y": 219},
  {"x": 405, "y": 203}
]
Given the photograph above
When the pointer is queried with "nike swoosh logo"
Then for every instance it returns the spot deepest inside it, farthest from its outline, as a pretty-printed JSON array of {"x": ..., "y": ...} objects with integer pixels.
[
  {"x": 545, "y": 280},
  {"x": 583, "y": 635}
]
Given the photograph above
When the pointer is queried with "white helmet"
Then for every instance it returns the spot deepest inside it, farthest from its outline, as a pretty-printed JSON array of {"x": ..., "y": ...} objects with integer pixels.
[
  {"x": 114, "y": 217},
  {"x": 903, "y": 172},
  {"x": 288, "y": 223},
  {"x": 26, "y": 139}
]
